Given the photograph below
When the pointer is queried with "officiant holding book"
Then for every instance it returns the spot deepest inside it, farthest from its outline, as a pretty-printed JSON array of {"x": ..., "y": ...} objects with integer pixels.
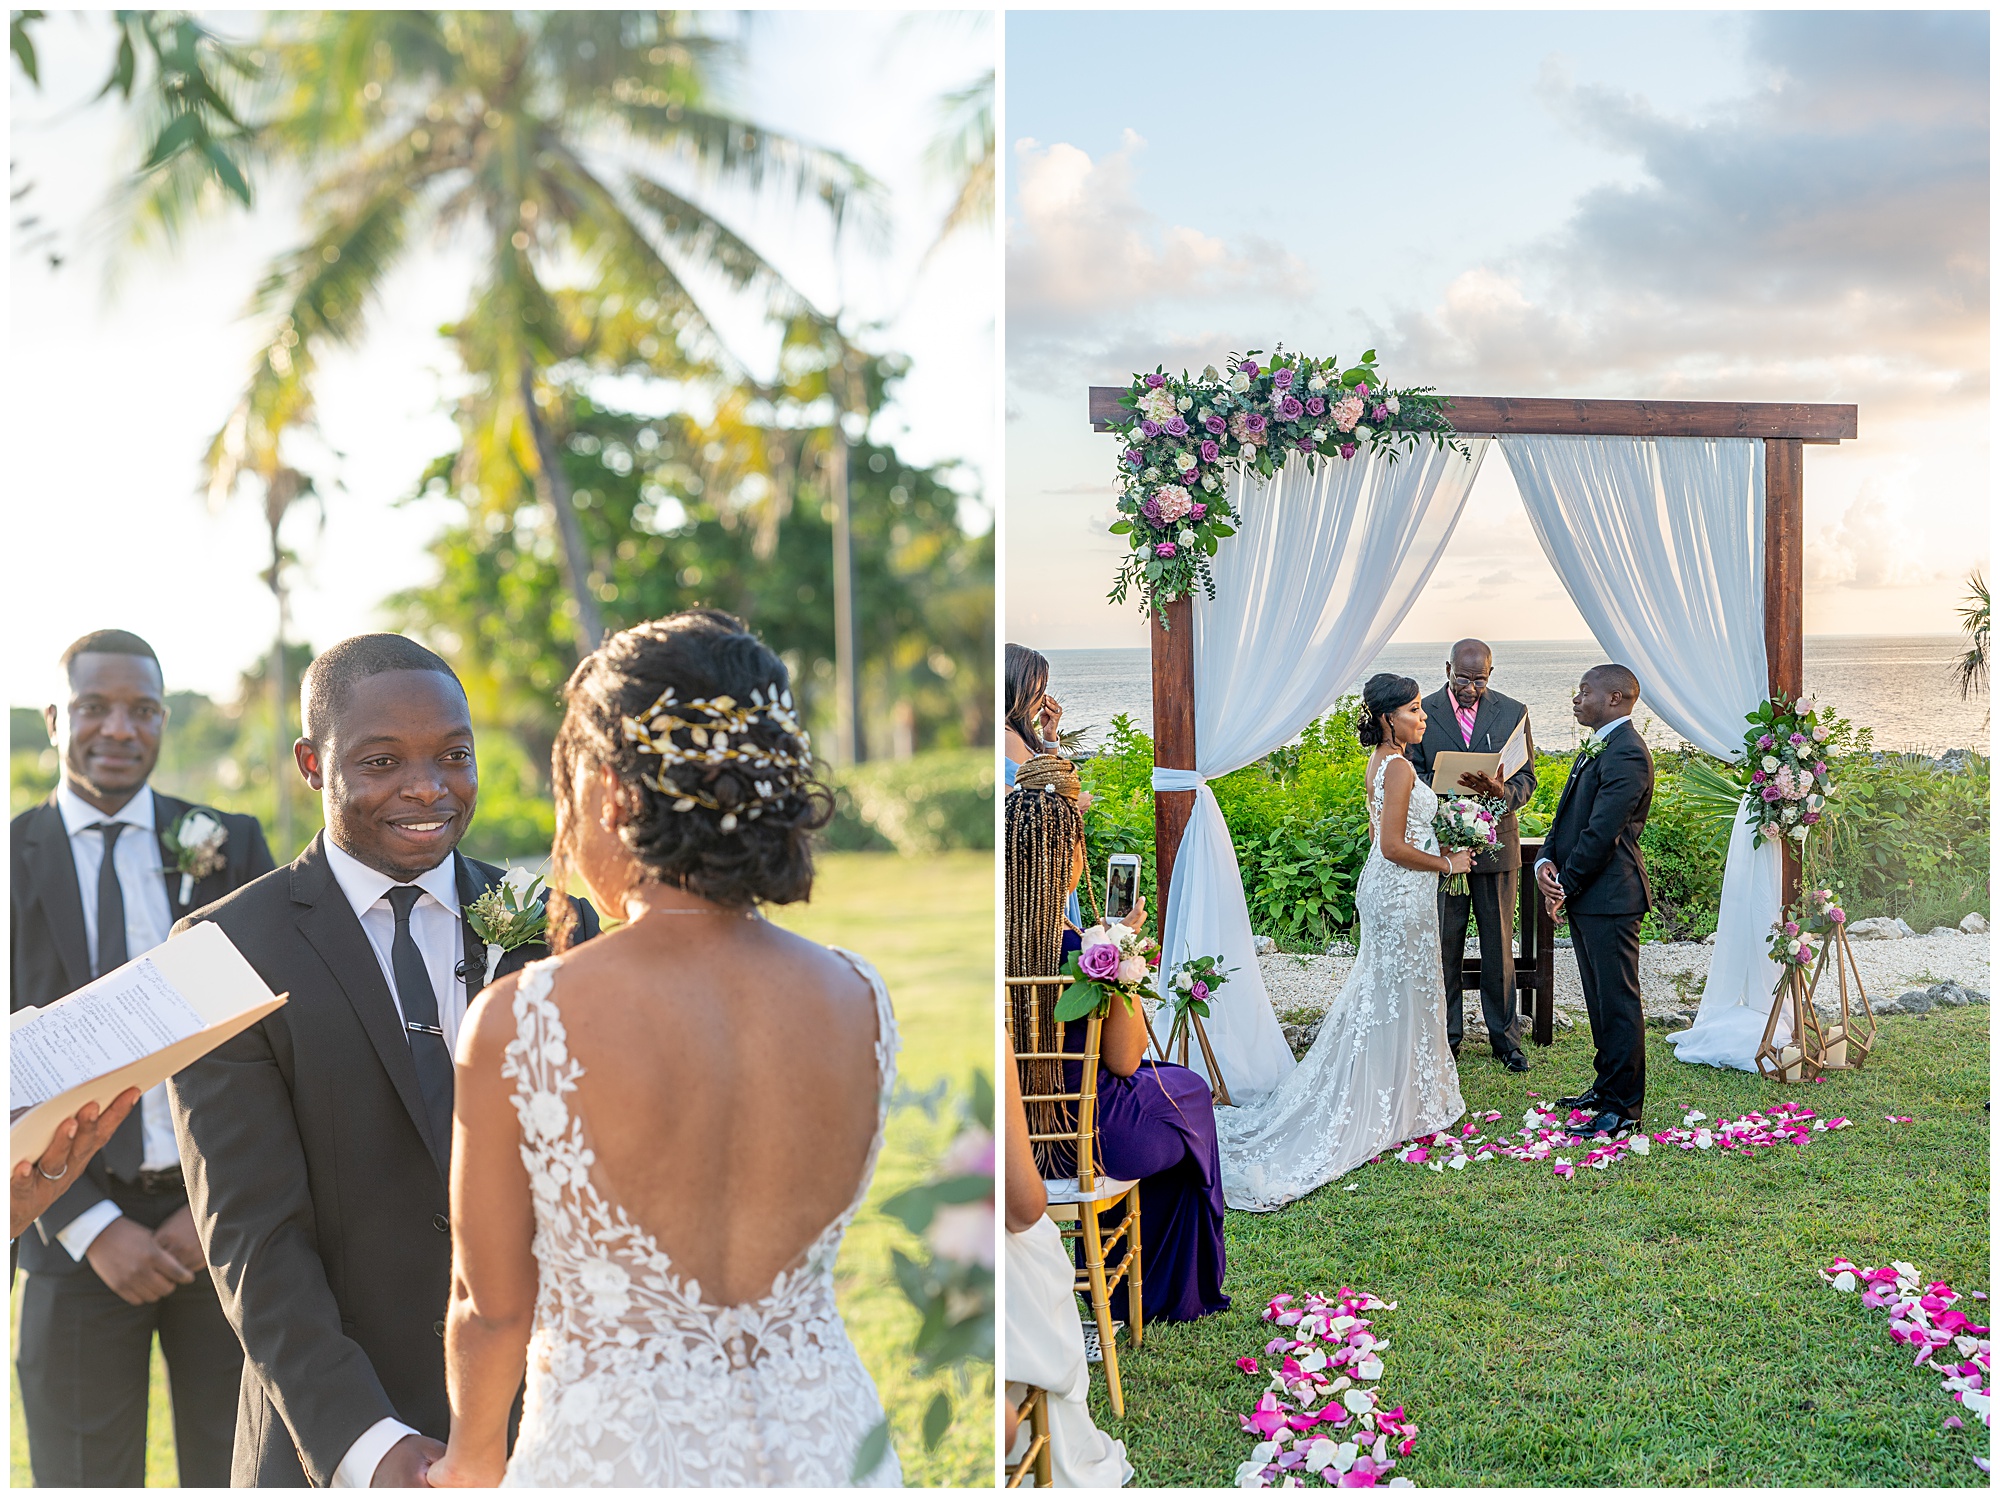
[{"x": 1465, "y": 717}]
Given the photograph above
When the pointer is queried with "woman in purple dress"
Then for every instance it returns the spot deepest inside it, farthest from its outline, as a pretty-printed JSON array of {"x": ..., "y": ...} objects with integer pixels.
[{"x": 1155, "y": 1121}]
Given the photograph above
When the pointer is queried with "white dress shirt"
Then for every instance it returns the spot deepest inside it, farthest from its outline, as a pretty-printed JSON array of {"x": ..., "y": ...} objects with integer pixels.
[
  {"x": 148, "y": 919},
  {"x": 1602, "y": 732},
  {"x": 436, "y": 928}
]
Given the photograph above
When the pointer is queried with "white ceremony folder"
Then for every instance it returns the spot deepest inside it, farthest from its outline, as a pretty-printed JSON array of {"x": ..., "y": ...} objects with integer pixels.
[{"x": 134, "y": 1027}]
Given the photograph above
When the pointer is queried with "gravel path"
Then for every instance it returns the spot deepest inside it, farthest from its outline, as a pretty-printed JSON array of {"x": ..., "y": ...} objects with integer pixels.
[{"x": 1670, "y": 975}]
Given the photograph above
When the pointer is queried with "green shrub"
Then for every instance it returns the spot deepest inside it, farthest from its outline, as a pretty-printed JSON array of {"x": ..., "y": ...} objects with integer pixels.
[
  {"x": 928, "y": 803},
  {"x": 1911, "y": 839}
]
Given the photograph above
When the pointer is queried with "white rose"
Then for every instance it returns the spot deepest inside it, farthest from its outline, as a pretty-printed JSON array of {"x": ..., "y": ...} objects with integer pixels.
[
  {"x": 1800, "y": 831},
  {"x": 1152, "y": 475},
  {"x": 1319, "y": 434},
  {"x": 1208, "y": 482},
  {"x": 198, "y": 828},
  {"x": 1239, "y": 382},
  {"x": 1362, "y": 434},
  {"x": 1184, "y": 980},
  {"x": 1184, "y": 403},
  {"x": 1770, "y": 764},
  {"x": 517, "y": 882},
  {"x": 1317, "y": 382},
  {"x": 1395, "y": 406},
  {"x": 1186, "y": 537}
]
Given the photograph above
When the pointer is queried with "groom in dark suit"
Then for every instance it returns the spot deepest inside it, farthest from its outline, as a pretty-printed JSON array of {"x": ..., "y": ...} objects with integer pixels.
[
  {"x": 318, "y": 1141},
  {"x": 1591, "y": 865},
  {"x": 115, "y": 1261},
  {"x": 1463, "y": 716}
]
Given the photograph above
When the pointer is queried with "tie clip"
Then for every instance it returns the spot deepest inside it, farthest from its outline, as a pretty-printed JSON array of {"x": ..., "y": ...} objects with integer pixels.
[{"x": 417, "y": 1029}]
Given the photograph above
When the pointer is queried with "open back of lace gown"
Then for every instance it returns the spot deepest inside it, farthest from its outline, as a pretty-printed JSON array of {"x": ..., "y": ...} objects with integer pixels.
[{"x": 633, "y": 1379}]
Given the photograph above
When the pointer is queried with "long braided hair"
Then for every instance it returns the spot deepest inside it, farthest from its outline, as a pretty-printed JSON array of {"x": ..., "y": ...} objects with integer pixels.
[
  {"x": 1044, "y": 830},
  {"x": 727, "y": 816}
]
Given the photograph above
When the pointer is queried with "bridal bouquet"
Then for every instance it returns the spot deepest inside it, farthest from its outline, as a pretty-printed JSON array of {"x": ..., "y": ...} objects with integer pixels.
[
  {"x": 1468, "y": 824},
  {"x": 1111, "y": 962},
  {"x": 1790, "y": 783}
]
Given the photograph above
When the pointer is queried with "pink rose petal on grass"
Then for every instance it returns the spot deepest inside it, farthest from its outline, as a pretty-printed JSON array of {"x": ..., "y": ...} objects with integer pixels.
[{"x": 1247, "y": 1365}]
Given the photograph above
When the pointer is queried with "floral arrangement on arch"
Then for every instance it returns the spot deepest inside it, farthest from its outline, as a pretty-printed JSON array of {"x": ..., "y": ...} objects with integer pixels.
[
  {"x": 1790, "y": 783},
  {"x": 1114, "y": 962},
  {"x": 1182, "y": 437}
]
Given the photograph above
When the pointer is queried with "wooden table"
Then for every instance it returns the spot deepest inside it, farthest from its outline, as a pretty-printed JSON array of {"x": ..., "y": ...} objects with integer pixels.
[{"x": 1535, "y": 968}]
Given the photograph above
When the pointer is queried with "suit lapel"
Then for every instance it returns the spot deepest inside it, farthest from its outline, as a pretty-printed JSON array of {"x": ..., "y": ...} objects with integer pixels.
[
  {"x": 328, "y": 924},
  {"x": 473, "y": 881},
  {"x": 1482, "y": 725},
  {"x": 168, "y": 810},
  {"x": 1570, "y": 788},
  {"x": 53, "y": 868}
]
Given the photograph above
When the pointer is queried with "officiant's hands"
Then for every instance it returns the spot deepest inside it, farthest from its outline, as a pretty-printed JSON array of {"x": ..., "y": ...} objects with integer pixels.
[
  {"x": 409, "y": 1463},
  {"x": 135, "y": 1264},
  {"x": 1485, "y": 785},
  {"x": 36, "y": 1184}
]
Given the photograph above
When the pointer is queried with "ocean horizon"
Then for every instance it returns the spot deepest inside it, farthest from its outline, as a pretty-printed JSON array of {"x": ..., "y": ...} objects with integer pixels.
[{"x": 1900, "y": 686}]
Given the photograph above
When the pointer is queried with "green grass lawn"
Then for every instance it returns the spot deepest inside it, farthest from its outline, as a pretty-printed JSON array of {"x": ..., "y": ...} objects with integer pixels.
[
  {"x": 927, "y": 925},
  {"x": 1657, "y": 1323}
]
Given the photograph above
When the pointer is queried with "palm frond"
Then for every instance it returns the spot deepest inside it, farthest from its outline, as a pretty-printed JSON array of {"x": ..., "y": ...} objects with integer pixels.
[
  {"x": 1715, "y": 797},
  {"x": 1975, "y": 617}
]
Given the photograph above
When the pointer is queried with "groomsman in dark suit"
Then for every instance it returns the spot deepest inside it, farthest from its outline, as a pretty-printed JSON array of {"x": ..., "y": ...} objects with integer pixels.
[
  {"x": 1464, "y": 716},
  {"x": 116, "y": 1260},
  {"x": 1591, "y": 865},
  {"x": 319, "y": 1140}
]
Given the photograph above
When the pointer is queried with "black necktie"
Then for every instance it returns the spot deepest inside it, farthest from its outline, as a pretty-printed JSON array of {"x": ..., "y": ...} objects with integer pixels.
[
  {"x": 110, "y": 904},
  {"x": 420, "y": 1020},
  {"x": 125, "y": 1151}
]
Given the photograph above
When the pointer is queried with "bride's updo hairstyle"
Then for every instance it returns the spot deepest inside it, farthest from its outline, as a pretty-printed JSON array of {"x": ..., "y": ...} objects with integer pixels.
[
  {"x": 693, "y": 715},
  {"x": 1384, "y": 693}
]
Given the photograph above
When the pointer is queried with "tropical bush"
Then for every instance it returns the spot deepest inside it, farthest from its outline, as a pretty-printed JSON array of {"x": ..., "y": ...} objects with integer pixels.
[
  {"x": 1910, "y": 839},
  {"x": 925, "y": 804}
]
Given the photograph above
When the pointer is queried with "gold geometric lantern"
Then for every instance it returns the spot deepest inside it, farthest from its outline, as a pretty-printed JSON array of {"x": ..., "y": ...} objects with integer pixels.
[
  {"x": 1801, "y": 1057},
  {"x": 1846, "y": 1041}
]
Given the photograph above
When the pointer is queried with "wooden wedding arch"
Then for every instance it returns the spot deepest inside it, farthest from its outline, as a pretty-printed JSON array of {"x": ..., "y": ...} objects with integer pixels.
[{"x": 1785, "y": 429}]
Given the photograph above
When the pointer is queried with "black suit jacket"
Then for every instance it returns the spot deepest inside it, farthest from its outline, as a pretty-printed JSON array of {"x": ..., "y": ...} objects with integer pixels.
[
  {"x": 318, "y": 1192},
  {"x": 52, "y": 958},
  {"x": 1594, "y": 840},
  {"x": 1491, "y": 728}
]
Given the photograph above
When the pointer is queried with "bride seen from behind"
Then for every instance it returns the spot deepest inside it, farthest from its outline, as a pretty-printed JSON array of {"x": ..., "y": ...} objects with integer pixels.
[
  {"x": 661, "y": 1136},
  {"x": 1380, "y": 1071}
]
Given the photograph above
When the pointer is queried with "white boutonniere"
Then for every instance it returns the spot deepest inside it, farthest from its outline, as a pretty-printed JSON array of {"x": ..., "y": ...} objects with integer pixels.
[
  {"x": 1592, "y": 747},
  {"x": 509, "y": 915},
  {"x": 196, "y": 844}
]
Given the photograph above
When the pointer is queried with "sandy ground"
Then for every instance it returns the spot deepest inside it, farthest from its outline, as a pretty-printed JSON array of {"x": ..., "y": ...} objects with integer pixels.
[{"x": 1670, "y": 974}]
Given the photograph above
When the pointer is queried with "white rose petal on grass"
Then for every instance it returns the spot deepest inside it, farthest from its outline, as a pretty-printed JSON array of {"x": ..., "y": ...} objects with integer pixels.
[
  {"x": 1319, "y": 1455},
  {"x": 1370, "y": 1368},
  {"x": 1358, "y": 1401}
]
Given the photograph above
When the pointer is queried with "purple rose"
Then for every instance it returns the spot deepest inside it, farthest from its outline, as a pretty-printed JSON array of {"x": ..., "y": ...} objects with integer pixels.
[
  {"x": 1809, "y": 818},
  {"x": 1347, "y": 449},
  {"x": 1150, "y": 428},
  {"x": 1177, "y": 428},
  {"x": 1135, "y": 456},
  {"x": 1836, "y": 915},
  {"x": 1757, "y": 778},
  {"x": 1254, "y": 423},
  {"x": 1199, "y": 991},
  {"x": 1381, "y": 413},
  {"x": 1305, "y": 444},
  {"x": 1154, "y": 382},
  {"x": 1282, "y": 379},
  {"x": 1316, "y": 405},
  {"x": 1099, "y": 962},
  {"x": 1210, "y": 451},
  {"x": 1216, "y": 425},
  {"x": 1765, "y": 741},
  {"x": 1291, "y": 408},
  {"x": 1772, "y": 793},
  {"x": 1361, "y": 389},
  {"x": 1819, "y": 767},
  {"x": 1797, "y": 741},
  {"x": 1164, "y": 549},
  {"x": 1151, "y": 510},
  {"x": 1249, "y": 367},
  {"x": 1197, "y": 512}
]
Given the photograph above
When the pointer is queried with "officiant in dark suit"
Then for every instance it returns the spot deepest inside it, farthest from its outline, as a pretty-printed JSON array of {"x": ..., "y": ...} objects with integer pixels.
[
  {"x": 319, "y": 1140},
  {"x": 1465, "y": 716},
  {"x": 115, "y": 1260}
]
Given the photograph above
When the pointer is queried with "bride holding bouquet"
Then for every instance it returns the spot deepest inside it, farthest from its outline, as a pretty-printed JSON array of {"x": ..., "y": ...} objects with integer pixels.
[{"x": 1381, "y": 1070}]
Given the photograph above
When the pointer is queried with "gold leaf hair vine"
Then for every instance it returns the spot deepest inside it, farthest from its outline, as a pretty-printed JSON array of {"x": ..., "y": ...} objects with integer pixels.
[{"x": 717, "y": 732}]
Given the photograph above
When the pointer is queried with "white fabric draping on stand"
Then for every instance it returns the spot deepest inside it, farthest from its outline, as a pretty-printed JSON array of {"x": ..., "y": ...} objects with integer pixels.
[
  {"x": 1660, "y": 542},
  {"x": 1322, "y": 569}
]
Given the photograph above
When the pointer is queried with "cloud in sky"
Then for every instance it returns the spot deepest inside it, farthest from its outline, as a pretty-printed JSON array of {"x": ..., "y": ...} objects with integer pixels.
[
  {"x": 1823, "y": 238},
  {"x": 1871, "y": 546}
]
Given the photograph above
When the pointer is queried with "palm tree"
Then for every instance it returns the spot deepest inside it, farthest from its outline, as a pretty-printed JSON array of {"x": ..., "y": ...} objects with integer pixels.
[
  {"x": 539, "y": 137},
  {"x": 1975, "y": 618}
]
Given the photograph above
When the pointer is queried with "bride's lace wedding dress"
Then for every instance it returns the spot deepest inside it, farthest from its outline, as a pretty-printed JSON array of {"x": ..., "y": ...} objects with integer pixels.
[
  {"x": 633, "y": 1379},
  {"x": 1381, "y": 1070}
]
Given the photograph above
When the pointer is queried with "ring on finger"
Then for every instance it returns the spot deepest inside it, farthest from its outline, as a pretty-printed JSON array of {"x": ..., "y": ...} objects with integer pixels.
[{"x": 57, "y": 1176}]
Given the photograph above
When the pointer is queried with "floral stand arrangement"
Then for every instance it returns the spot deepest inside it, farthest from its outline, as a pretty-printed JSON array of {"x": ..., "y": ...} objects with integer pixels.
[{"x": 1194, "y": 983}]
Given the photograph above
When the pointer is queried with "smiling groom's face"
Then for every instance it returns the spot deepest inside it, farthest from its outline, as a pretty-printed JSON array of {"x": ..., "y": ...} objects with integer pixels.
[{"x": 396, "y": 771}]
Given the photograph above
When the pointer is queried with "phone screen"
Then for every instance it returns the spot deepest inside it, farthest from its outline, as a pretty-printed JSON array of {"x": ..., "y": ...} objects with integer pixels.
[{"x": 1121, "y": 892}]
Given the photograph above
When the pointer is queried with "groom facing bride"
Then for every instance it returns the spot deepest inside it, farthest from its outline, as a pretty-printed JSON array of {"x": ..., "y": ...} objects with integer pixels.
[{"x": 318, "y": 1142}]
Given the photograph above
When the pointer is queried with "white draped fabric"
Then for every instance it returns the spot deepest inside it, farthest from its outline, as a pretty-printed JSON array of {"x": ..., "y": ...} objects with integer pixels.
[
  {"x": 1660, "y": 542},
  {"x": 1321, "y": 571}
]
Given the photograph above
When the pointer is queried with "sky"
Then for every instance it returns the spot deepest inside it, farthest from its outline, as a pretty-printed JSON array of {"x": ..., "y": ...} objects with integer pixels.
[
  {"x": 122, "y": 363},
  {"x": 1676, "y": 205}
]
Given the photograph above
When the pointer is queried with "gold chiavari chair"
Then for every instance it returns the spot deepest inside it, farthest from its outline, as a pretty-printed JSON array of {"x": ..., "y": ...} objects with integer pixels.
[
  {"x": 1036, "y": 1460},
  {"x": 1078, "y": 1201}
]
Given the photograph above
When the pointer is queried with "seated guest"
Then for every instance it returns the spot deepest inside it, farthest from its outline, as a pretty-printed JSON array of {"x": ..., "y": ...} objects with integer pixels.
[
  {"x": 1033, "y": 717},
  {"x": 1044, "y": 1334},
  {"x": 1155, "y": 1121}
]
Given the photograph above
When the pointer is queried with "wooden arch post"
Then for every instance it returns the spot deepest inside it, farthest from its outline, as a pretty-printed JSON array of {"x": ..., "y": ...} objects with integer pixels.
[{"x": 1785, "y": 429}]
